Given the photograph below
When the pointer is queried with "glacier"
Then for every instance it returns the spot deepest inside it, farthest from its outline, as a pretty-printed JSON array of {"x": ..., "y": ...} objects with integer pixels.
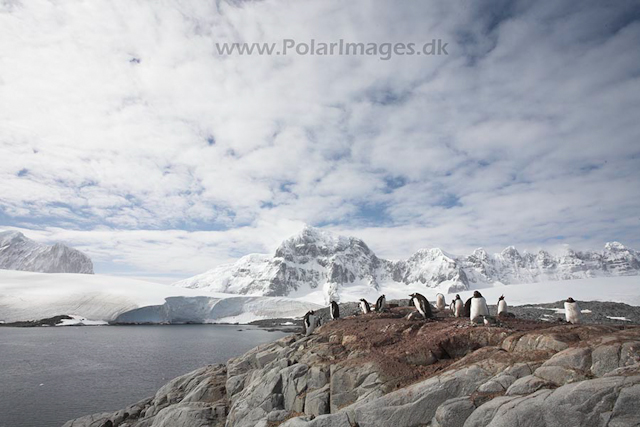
[
  {"x": 319, "y": 266},
  {"x": 180, "y": 309},
  {"x": 33, "y": 296},
  {"x": 17, "y": 252}
]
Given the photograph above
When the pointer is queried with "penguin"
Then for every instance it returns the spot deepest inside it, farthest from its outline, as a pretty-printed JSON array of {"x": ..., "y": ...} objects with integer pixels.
[
  {"x": 572, "y": 311},
  {"x": 364, "y": 306},
  {"x": 308, "y": 322},
  {"x": 458, "y": 310},
  {"x": 502, "y": 306},
  {"x": 489, "y": 321},
  {"x": 440, "y": 303},
  {"x": 381, "y": 303},
  {"x": 478, "y": 306},
  {"x": 422, "y": 305},
  {"x": 467, "y": 308},
  {"x": 452, "y": 306},
  {"x": 335, "y": 310}
]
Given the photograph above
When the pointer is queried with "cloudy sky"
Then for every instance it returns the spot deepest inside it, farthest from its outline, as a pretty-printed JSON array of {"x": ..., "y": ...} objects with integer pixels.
[{"x": 125, "y": 134}]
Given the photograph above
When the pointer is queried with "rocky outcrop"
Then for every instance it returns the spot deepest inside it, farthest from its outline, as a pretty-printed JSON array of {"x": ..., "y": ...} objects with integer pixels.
[
  {"x": 196, "y": 399},
  {"x": 382, "y": 369}
]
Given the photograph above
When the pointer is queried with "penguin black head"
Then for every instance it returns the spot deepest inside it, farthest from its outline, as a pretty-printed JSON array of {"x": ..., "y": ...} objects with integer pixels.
[
  {"x": 363, "y": 300},
  {"x": 458, "y": 296},
  {"x": 501, "y": 298},
  {"x": 570, "y": 300},
  {"x": 382, "y": 296},
  {"x": 477, "y": 294},
  {"x": 412, "y": 295}
]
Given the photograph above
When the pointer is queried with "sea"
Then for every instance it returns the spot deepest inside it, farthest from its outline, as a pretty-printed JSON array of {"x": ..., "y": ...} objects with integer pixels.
[{"x": 49, "y": 375}]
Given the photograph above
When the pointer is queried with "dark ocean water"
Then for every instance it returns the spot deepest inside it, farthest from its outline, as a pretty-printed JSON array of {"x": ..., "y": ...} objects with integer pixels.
[{"x": 51, "y": 375}]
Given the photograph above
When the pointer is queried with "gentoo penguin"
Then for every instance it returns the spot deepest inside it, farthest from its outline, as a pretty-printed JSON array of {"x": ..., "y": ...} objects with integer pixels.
[
  {"x": 335, "y": 310},
  {"x": 467, "y": 308},
  {"x": 572, "y": 311},
  {"x": 422, "y": 305},
  {"x": 440, "y": 304},
  {"x": 489, "y": 321},
  {"x": 458, "y": 310},
  {"x": 308, "y": 322},
  {"x": 381, "y": 303},
  {"x": 478, "y": 306},
  {"x": 502, "y": 306},
  {"x": 364, "y": 306}
]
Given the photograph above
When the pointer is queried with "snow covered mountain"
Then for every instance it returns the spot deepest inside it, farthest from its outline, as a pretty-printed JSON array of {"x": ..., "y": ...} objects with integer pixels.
[
  {"x": 17, "y": 252},
  {"x": 317, "y": 262}
]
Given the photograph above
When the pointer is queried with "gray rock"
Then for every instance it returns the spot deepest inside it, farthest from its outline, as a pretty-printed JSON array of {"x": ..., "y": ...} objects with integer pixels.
[
  {"x": 585, "y": 403},
  {"x": 261, "y": 395},
  {"x": 265, "y": 357},
  {"x": 317, "y": 402},
  {"x": 235, "y": 384},
  {"x": 605, "y": 358},
  {"x": 485, "y": 413},
  {"x": 558, "y": 375},
  {"x": 334, "y": 420},
  {"x": 534, "y": 341},
  {"x": 630, "y": 353},
  {"x": 417, "y": 404},
  {"x": 93, "y": 420},
  {"x": 318, "y": 377},
  {"x": 454, "y": 412},
  {"x": 626, "y": 411},
  {"x": 519, "y": 370},
  {"x": 277, "y": 416},
  {"x": 499, "y": 383},
  {"x": 574, "y": 358},
  {"x": 187, "y": 415},
  {"x": 625, "y": 371},
  {"x": 353, "y": 383},
  {"x": 527, "y": 385},
  {"x": 294, "y": 384}
]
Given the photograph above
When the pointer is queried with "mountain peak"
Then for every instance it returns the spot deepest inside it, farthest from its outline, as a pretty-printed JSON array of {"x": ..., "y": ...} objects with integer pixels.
[
  {"x": 510, "y": 252},
  {"x": 6, "y": 236},
  {"x": 614, "y": 246},
  {"x": 18, "y": 252}
]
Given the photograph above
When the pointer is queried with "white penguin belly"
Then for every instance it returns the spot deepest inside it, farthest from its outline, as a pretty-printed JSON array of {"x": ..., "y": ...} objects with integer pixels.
[
  {"x": 312, "y": 325},
  {"x": 572, "y": 312},
  {"x": 502, "y": 306},
  {"x": 459, "y": 308},
  {"x": 479, "y": 307},
  {"x": 416, "y": 302}
]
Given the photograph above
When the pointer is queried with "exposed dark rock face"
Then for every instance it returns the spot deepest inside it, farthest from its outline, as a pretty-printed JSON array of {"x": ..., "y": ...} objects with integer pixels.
[
  {"x": 50, "y": 321},
  {"x": 383, "y": 369}
]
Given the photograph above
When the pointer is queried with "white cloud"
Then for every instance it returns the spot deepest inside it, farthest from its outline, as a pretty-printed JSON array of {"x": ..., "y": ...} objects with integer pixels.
[{"x": 123, "y": 133}]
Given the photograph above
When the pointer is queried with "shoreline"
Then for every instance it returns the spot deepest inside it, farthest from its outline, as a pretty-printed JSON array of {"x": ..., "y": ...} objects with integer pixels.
[
  {"x": 594, "y": 312},
  {"x": 358, "y": 370}
]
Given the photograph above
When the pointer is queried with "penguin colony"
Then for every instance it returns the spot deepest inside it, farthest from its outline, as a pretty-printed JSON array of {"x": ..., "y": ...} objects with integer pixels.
[{"x": 475, "y": 308}]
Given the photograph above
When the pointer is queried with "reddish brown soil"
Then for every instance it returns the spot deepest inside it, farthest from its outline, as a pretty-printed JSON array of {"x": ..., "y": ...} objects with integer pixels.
[{"x": 407, "y": 351}]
